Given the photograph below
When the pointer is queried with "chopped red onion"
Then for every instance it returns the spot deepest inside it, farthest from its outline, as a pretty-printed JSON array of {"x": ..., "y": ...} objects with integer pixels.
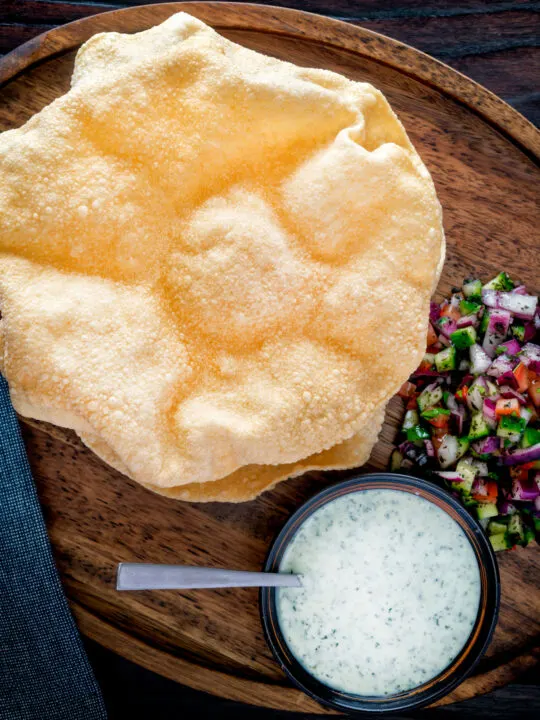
[
  {"x": 447, "y": 328},
  {"x": 434, "y": 312},
  {"x": 524, "y": 489},
  {"x": 530, "y": 356},
  {"x": 467, "y": 321},
  {"x": 506, "y": 507},
  {"x": 530, "y": 328},
  {"x": 501, "y": 365},
  {"x": 508, "y": 392},
  {"x": 480, "y": 360},
  {"x": 457, "y": 419},
  {"x": 510, "y": 347},
  {"x": 520, "y": 456},
  {"x": 497, "y": 328},
  {"x": 444, "y": 340},
  {"x": 452, "y": 477},
  {"x": 486, "y": 446},
  {"x": 521, "y": 306}
]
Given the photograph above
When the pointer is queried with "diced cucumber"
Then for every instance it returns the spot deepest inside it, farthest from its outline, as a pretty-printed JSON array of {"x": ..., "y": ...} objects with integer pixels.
[
  {"x": 429, "y": 398},
  {"x": 511, "y": 427},
  {"x": 463, "y": 338},
  {"x": 468, "y": 307},
  {"x": 518, "y": 331},
  {"x": 410, "y": 420},
  {"x": 469, "y": 502},
  {"x": 472, "y": 289},
  {"x": 463, "y": 446},
  {"x": 446, "y": 359},
  {"x": 499, "y": 542},
  {"x": 501, "y": 282},
  {"x": 475, "y": 396},
  {"x": 529, "y": 535},
  {"x": 516, "y": 532},
  {"x": 451, "y": 449},
  {"x": 468, "y": 472},
  {"x": 479, "y": 427},
  {"x": 396, "y": 458},
  {"x": 531, "y": 436},
  {"x": 496, "y": 527},
  {"x": 486, "y": 510}
]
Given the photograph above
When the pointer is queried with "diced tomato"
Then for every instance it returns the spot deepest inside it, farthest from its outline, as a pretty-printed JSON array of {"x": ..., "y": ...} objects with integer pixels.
[
  {"x": 519, "y": 472},
  {"x": 450, "y": 311},
  {"x": 488, "y": 494},
  {"x": 522, "y": 377},
  {"x": 431, "y": 335},
  {"x": 407, "y": 390},
  {"x": 492, "y": 491},
  {"x": 425, "y": 365},
  {"x": 434, "y": 349},
  {"x": 412, "y": 403},
  {"x": 437, "y": 437},
  {"x": 441, "y": 421},
  {"x": 534, "y": 391},
  {"x": 507, "y": 406},
  {"x": 461, "y": 394}
]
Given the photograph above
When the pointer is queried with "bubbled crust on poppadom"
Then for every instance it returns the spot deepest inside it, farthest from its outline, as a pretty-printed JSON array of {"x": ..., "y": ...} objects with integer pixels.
[{"x": 211, "y": 259}]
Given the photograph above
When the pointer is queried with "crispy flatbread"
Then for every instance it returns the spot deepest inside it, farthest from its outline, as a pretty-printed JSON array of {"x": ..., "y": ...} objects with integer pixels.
[
  {"x": 211, "y": 259},
  {"x": 250, "y": 481}
]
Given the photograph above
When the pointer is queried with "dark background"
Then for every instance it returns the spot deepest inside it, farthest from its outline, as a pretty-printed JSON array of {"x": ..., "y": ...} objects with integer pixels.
[{"x": 497, "y": 43}]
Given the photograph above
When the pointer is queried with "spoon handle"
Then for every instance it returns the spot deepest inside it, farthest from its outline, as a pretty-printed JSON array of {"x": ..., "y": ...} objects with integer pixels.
[{"x": 146, "y": 576}]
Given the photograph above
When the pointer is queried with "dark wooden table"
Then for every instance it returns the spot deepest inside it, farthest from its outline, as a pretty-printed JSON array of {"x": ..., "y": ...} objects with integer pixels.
[{"x": 497, "y": 43}]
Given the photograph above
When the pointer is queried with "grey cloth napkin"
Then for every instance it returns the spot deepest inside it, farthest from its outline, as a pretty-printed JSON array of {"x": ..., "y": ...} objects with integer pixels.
[{"x": 44, "y": 671}]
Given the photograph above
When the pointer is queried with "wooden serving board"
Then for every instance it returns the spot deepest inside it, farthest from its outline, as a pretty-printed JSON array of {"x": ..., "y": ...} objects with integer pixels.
[{"x": 483, "y": 157}]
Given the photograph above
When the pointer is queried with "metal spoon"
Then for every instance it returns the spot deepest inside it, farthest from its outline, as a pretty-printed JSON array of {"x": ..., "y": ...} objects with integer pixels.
[{"x": 146, "y": 576}]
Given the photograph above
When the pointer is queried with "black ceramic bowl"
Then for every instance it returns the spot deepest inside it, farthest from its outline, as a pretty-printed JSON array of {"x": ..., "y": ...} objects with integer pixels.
[{"x": 473, "y": 650}]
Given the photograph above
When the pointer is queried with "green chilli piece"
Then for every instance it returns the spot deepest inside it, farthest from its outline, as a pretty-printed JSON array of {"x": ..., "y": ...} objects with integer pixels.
[
  {"x": 468, "y": 307},
  {"x": 463, "y": 338},
  {"x": 432, "y": 413},
  {"x": 518, "y": 331},
  {"x": 510, "y": 426},
  {"x": 417, "y": 434},
  {"x": 501, "y": 282}
]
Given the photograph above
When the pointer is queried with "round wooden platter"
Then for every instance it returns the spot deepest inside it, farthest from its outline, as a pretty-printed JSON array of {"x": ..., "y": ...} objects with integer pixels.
[{"x": 483, "y": 157}]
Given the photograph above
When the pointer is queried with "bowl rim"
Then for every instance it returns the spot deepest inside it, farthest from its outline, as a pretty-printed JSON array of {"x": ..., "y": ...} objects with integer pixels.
[{"x": 465, "y": 661}]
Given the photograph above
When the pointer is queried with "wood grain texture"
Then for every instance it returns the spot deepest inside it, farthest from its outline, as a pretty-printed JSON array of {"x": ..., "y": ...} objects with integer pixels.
[
  {"x": 483, "y": 157},
  {"x": 496, "y": 42}
]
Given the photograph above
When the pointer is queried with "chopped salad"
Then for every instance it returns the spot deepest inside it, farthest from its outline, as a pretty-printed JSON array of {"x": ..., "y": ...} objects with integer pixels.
[{"x": 473, "y": 406}]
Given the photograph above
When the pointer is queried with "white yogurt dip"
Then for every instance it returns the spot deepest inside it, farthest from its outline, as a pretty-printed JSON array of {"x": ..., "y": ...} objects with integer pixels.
[{"x": 391, "y": 590}]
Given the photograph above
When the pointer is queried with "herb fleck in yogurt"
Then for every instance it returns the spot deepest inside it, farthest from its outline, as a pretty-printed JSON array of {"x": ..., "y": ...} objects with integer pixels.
[{"x": 391, "y": 590}]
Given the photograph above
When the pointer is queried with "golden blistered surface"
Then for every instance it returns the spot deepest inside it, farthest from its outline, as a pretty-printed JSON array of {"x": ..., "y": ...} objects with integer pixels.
[{"x": 212, "y": 259}]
